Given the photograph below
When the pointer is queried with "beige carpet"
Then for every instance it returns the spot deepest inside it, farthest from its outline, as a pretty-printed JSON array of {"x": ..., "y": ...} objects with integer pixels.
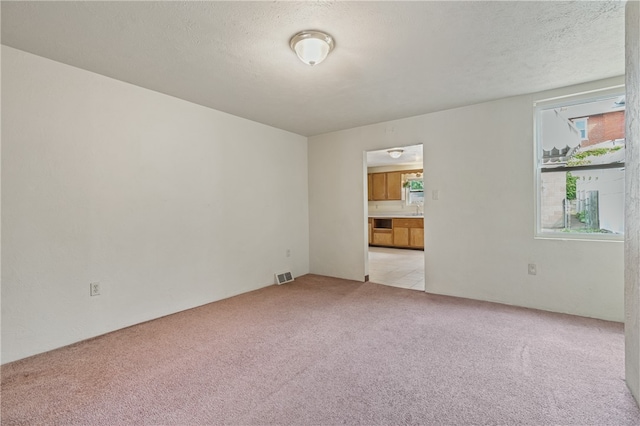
[{"x": 329, "y": 351}]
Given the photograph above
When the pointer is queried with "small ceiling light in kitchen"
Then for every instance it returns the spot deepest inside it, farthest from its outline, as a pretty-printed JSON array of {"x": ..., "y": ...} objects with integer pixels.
[
  {"x": 312, "y": 47},
  {"x": 395, "y": 153}
]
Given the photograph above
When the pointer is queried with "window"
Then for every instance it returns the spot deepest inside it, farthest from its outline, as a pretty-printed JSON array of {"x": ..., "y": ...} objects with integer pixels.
[
  {"x": 580, "y": 168},
  {"x": 416, "y": 185},
  {"x": 414, "y": 188},
  {"x": 581, "y": 125}
]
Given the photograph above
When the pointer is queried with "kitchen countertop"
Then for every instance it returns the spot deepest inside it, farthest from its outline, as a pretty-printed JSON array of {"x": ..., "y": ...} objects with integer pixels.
[{"x": 396, "y": 215}]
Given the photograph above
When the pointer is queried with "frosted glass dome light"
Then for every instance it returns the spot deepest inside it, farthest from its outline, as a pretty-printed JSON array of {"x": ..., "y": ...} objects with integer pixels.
[
  {"x": 312, "y": 47},
  {"x": 395, "y": 153}
]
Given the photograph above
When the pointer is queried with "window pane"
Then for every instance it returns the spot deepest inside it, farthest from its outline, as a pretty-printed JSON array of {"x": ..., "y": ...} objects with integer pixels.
[
  {"x": 416, "y": 185},
  {"x": 590, "y": 129},
  {"x": 590, "y": 201},
  {"x": 581, "y": 125}
]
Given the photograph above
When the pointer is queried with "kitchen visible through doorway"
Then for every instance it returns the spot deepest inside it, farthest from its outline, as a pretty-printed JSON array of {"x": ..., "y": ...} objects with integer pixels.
[{"x": 395, "y": 216}]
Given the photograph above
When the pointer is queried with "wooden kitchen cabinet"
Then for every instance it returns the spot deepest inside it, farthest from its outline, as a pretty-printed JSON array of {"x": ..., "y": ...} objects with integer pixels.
[
  {"x": 408, "y": 232},
  {"x": 379, "y": 186},
  {"x": 383, "y": 237},
  {"x": 400, "y": 236},
  {"x": 394, "y": 185},
  {"x": 385, "y": 186},
  {"x": 397, "y": 232},
  {"x": 381, "y": 231},
  {"x": 416, "y": 237}
]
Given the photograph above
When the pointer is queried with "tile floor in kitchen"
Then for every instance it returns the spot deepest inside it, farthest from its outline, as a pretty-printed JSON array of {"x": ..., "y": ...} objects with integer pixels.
[{"x": 397, "y": 267}]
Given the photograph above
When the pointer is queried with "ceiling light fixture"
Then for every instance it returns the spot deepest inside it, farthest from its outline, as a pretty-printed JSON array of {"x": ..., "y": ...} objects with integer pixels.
[
  {"x": 312, "y": 47},
  {"x": 395, "y": 153}
]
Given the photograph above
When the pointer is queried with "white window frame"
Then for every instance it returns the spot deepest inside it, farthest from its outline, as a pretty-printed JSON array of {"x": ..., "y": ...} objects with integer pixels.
[{"x": 557, "y": 102}]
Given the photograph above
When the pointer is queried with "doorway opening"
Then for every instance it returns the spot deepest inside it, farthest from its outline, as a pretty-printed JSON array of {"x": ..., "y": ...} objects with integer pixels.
[{"x": 395, "y": 216}]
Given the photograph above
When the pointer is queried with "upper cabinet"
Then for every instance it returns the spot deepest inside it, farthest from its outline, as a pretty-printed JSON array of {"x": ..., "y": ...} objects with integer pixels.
[
  {"x": 379, "y": 186},
  {"x": 394, "y": 186},
  {"x": 385, "y": 186}
]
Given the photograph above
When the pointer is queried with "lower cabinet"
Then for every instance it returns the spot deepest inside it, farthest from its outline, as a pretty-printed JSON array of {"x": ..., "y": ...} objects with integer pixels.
[
  {"x": 400, "y": 236},
  {"x": 403, "y": 232},
  {"x": 416, "y": 237},
  {"x": 383, "y": 237}
]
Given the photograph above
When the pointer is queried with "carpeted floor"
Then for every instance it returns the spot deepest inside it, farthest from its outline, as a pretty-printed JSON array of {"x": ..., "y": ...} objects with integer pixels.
[{"x": 328, "y": 351}]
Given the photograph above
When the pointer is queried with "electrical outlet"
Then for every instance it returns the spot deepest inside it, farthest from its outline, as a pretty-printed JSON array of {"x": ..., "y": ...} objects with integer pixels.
[
  {"x": 288, "y": 253},
  {"x": 533, "y": 269},
  {"x": 435, "y": 194},
  {"x": 94, "y": 289}
]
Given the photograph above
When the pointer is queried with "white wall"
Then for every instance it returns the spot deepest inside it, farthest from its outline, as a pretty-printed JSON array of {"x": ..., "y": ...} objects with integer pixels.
[
  {"x": 105, "y": 181},
  {"x": 632, "y": 200},
  {"x": 479, "y": 235}
]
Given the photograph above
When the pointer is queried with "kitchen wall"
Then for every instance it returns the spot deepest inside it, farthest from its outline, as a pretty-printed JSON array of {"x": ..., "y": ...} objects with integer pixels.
[
  {"x": 480, "y": 232},
  {"x": 103, "y": 181}
]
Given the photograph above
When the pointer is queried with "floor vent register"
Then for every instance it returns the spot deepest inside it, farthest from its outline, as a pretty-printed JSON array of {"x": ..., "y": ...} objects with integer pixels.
[{"x": 284, "y": 277}]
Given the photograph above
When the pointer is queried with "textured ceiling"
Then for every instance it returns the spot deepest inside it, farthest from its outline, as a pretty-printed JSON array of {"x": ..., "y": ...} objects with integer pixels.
[
  {"x": 410, "y": 155},
  {"x": 392, "y": 59}
]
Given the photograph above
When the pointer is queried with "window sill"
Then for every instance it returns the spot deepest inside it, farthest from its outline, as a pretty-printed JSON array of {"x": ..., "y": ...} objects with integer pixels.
[{"x": 562, "y": 236}]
